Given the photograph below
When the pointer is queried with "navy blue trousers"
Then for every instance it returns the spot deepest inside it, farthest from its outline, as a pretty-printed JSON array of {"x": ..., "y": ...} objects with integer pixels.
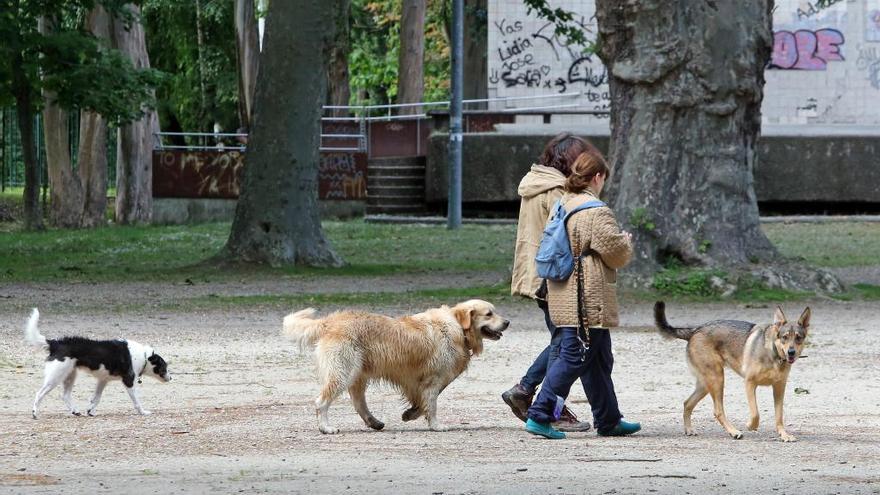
[
  {"x": 536, "y": 372},
  {"x": 593, "y": 367}
]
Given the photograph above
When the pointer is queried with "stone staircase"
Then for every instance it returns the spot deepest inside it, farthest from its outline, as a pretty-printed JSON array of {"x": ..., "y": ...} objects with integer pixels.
[{"x": 396, "y": 186}]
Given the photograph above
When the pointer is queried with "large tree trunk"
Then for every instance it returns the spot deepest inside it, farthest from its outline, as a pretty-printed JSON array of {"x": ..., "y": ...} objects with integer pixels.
[
  {"x": 92, "y": 168},
  {"x": 276, "y": 220},
  {"x": 410, "y": 72},
  {"x": 134, "y": 157},
  {"x": 686, "y": 82},
  {"x": 476, "y": 45},
  {"x": 65, "y": 190},
  {"x": 338, "y": 90},
  {"x": 77, "y": 199},
  {"x": 248, "y": 55}
]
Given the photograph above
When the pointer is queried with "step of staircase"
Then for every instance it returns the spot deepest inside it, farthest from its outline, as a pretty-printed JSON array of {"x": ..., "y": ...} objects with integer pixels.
[{"x": 396, "y": 186}]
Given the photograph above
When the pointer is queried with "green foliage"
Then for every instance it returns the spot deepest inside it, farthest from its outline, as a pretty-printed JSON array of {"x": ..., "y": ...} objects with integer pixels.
[
  {"x": 84, "y": 72},
  {"x": 172, "y": 41},
  {"x": 564, "y": 20},
  {"x": 375, "y": 47},
  {"x": 641, "y": 219},
  {"x": 704, "y": 246}
]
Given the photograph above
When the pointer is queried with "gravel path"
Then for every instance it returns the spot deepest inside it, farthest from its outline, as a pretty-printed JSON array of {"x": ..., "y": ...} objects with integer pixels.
[{"x": 238, "y": 416}]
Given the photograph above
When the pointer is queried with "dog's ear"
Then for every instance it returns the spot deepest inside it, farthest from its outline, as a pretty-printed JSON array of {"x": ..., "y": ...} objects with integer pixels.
[
  {"x": 779, "y": 316},
  {"x": 463, "y": 314},
  {"x": 804, "y": 320}
]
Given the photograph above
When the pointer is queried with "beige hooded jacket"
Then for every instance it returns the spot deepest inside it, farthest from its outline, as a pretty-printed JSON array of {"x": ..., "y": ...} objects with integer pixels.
[{"x": 539, "y": 190}]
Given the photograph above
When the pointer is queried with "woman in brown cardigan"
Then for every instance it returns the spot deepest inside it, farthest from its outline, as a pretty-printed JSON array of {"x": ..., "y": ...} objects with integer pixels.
[{"x": 594, "y": 235}]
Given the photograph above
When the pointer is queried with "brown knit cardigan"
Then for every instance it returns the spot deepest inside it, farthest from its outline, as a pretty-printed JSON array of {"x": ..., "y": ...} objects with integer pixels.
[{"x": 595, "y": 233}]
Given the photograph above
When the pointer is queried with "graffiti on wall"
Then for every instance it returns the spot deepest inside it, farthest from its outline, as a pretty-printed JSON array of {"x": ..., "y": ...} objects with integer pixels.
[
  {"x": 869, "y": 62},
  {"x": 806, "y": 50},
  {"x": 342, "y": 176},
  {"x": 872, "y": 27},
  {"x": 527, "y": 57},
  {"x": 218, "y": 174}
]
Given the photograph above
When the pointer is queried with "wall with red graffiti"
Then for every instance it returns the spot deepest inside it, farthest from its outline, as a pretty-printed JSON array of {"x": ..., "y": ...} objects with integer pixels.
[{"x": 825, "y": 67}]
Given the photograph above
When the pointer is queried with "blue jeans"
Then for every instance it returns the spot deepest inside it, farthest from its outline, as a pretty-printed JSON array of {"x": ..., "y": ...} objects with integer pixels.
[
  {"x": 538, "y": 369},
  {"x": 593, "y": 367}
]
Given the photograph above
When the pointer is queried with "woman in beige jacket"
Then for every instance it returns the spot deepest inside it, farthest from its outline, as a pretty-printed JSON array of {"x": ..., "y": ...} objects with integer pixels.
[
  {"x": 600, "y": 248},
  {"x": 539, "y": 190}
]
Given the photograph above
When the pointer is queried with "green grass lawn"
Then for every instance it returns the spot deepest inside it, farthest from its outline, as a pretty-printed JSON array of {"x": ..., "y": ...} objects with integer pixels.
[
  {"x": 836, "y": 244},
  {"x": 174, "y": 252}
]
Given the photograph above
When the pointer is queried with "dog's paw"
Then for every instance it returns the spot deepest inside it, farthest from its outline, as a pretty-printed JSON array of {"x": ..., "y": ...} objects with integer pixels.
[
  {"x": 753, "y": 424},
  {"x": 689, "y": 432},
  {"x": 76, "y": 413},
  {"x": 736, "y": 434},
  {"x": 91, "y": 412},
  {"x": 376, "y": 424},
  {"x": 328, "y": 430},
  {"x": 144, "y": 412},
  {"x": 411, "y": 414},
  {"x": 34, "y": 414},
  {"x": 785, "y": 437},
  {"x": 438, "y": 427}
]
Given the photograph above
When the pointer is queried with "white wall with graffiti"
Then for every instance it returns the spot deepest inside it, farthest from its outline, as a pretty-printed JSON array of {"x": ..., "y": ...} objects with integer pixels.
[
  {"x": 526, "y": 58},
  {"x": 825, "y": 67}
]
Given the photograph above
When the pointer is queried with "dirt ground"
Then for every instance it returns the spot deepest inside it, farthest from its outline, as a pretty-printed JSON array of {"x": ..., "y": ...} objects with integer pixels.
[{"x": 238, "y": 416}]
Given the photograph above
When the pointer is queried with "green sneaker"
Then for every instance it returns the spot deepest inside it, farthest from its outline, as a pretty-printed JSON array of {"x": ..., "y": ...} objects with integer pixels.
[
  {"x": 621, "y": 429},
  {"x": 544, "y": 430}
]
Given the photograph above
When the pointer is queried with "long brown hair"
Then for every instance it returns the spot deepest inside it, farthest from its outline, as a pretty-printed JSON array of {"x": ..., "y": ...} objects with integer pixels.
[
  {"x": 586, "y": 166},
  {"x": 562, "y": 151}
]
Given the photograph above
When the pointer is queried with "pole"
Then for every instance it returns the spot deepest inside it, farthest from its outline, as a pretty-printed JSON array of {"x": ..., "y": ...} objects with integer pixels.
[{"x": 453, "y": 220}]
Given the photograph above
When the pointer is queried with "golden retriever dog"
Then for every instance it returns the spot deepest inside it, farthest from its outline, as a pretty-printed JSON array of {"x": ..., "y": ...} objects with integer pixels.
[{"x": 419, "y": 354}]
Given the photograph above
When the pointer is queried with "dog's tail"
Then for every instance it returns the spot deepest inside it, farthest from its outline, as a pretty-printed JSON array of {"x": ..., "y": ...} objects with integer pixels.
[
  {"x": 302, "y": 328},
  {"x": 32, "y": 334},
  {"x": 665, "y": 328}
]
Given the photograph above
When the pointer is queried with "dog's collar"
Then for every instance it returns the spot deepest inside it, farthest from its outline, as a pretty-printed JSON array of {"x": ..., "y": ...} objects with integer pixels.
[{"x": 144, "y": 368}]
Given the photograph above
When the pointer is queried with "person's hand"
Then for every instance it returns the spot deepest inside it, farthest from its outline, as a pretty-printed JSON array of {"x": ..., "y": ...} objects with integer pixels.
[{"x": 629, "y": 236}]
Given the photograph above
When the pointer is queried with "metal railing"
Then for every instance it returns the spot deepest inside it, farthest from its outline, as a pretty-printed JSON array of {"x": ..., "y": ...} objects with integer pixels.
[{"x": 362, "y": 116}]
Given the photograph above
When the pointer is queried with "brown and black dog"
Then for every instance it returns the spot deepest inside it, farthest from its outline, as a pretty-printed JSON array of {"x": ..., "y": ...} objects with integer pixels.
[{"x": 762, "y": 354}]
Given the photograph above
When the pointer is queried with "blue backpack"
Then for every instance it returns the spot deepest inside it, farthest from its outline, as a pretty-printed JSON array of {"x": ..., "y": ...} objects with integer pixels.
[{"x": 554, "y": 259}]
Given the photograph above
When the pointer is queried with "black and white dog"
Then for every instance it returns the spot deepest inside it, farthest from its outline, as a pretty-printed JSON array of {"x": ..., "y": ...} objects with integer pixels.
[{"x": 106, "y": 360}]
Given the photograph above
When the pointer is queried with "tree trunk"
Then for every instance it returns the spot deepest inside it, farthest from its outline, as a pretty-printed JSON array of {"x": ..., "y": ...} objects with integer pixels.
[
  {"x": 77, "y": 199},
  {"x": 338, "y": 90},
  {"x": 33, "y": 215},
  {"x": 92, "y": 168},
  {"x": 134, "y": 156},
  {"x": 686, "y": 82},
  {"x": 276, "y": 220},
  {"x": 65, "y": 189},
  {"x": 410, "y": 72},
  {"x": 248, "y": 56},
  {"x": 476, "y": 45}
]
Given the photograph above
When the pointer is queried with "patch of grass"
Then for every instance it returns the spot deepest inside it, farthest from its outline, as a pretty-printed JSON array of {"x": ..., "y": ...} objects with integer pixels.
[
  {"x": 833, "y": 244},
  {"x": 866, "y": 292},
  {"x": 157, "y": 253},
  {"x": 427, "y": 297},
  {"x": 676, "y": 281},
  {"x": 689, "y": 284}
]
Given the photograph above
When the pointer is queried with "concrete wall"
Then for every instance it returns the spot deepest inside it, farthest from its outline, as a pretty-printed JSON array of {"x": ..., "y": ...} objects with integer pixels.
[
  {"x": 792, "y": 166},
  {"x": 176, "y": 211},
  {"x": 825, "y": 67}
]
